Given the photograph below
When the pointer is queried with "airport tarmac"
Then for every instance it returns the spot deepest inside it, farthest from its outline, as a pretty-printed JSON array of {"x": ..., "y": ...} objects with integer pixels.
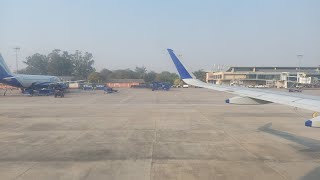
[{"x": 137, "y": 134}]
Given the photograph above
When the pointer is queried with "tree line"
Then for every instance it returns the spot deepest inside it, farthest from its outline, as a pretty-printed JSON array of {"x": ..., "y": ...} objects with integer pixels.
[
  {"x": 60, "y": 63},
  {"x": 80, "y": 66},
  {"x": 137, "y": 73}
]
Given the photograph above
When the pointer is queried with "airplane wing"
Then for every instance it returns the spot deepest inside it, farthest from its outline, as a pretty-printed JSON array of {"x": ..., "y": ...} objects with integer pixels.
[{"x": 248, "y": 96}]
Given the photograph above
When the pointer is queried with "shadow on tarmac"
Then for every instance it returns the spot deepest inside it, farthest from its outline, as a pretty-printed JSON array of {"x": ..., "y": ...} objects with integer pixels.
[
  {"x": 312, "y": 145},
  {"x": 312, "y": 175}
]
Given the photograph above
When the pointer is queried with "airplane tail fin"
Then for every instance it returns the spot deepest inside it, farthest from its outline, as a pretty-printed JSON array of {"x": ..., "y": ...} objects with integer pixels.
[
  {"x": 183, "y": 72},
  {"x": 4, "y": 70}
]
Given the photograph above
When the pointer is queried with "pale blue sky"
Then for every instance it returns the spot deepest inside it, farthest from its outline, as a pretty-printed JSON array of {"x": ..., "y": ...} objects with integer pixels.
[{"x": 129, "y": 33}]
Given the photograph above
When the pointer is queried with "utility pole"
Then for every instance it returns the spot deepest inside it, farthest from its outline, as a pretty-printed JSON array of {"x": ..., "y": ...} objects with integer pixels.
[{"x": 17, "y": 49}]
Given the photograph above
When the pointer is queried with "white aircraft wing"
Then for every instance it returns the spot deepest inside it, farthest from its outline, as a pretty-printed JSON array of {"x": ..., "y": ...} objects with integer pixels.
[{"x": 254, "y": 96}]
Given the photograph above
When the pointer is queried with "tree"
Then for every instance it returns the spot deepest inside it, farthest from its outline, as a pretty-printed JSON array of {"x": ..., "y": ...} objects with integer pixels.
[
  {"x": 82, "y": 65},
  {"x": 23, "y": 71},
  {"x": 37, "y": 64},
  {"x": 141, "y": 71},
  {"x": 200, "y": 74},
  {"x": 150, "y": 77},
  {"x": 60, "y": 64},
  {"x": 105, "y": 74},
  {"x": 95, "y": 77},
  {"x": 178, "y": 82},
  {"x": 124, "y": 74},
  {"x": 166, "y": 76}
]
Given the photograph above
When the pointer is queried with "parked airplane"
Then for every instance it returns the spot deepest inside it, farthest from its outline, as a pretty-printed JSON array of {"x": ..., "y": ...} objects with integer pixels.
[
  {"x": 24, "y": 81},
  {"x": 248, "y": 96}
]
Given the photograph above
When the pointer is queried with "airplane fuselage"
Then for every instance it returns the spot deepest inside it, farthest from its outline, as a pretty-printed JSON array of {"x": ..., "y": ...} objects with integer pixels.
[{"x": 26, "y": 81}]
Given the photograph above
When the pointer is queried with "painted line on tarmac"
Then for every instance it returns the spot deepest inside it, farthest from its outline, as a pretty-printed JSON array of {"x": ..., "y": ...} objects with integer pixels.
[{"x": 126, "y": 99}]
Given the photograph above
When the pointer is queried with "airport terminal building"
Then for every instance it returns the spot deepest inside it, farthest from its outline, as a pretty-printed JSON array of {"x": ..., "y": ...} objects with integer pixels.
[{"x": 280, "y": 77}]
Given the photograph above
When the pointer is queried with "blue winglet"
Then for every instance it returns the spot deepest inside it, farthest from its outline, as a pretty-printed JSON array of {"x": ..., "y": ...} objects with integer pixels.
[{"x": 184, "y": 74}]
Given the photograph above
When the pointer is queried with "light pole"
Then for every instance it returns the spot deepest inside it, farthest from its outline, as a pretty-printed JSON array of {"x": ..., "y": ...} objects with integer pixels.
[{"x": 17, "y": 49}]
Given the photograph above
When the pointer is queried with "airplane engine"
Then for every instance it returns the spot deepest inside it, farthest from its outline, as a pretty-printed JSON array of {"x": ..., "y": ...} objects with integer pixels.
[
  {"x": 315, "y": 122},
  {"x": 246, "y": 101}
]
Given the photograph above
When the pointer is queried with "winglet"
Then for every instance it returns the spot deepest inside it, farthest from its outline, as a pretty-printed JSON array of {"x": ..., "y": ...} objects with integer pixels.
[{"x": 183, "y": 72}]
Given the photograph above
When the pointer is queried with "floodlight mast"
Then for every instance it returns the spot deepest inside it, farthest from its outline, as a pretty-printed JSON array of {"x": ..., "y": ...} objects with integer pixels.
[{"x": 17, "y": 49}]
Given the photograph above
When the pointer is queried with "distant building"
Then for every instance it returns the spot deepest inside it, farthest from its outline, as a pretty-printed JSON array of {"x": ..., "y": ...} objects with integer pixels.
[
  {"x": 268, "y": 76},
  {"x": 124, "y": 83}
]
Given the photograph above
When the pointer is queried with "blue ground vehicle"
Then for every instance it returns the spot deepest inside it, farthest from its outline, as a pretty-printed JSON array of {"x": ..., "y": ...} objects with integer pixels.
[
  {"x": 100, "y": 87},
  {"x": 161, "y": 86},
  {"x": 109, "y": 90},
  {"x": 87, "y": 87}
]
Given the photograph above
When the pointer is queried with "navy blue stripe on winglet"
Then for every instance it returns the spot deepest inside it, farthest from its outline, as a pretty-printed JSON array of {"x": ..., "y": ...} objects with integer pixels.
[{"x": 184, "y": 74}]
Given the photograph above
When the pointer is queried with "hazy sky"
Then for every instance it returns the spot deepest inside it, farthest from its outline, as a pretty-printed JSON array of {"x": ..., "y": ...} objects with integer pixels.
[{"x": 129, "y": 33}]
